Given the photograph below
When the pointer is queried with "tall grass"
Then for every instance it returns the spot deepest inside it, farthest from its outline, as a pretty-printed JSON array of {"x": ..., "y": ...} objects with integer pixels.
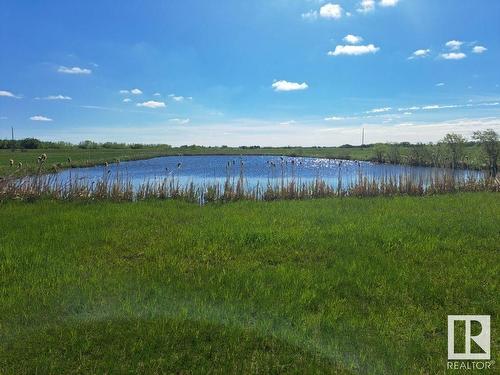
[{"x": 280, "y": 186}]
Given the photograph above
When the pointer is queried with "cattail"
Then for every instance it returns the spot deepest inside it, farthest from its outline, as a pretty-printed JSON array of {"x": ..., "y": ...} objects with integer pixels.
[
  {"x": 20, "y": 165},
  {"x": 11, "y": 162},
  {"x": 69, "y": 160}
]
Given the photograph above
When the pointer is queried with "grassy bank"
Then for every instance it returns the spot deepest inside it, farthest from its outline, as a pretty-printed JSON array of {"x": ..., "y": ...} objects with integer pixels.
[
  {"x": 324, "y": 286},
  {"x": 58, "y": 158}
]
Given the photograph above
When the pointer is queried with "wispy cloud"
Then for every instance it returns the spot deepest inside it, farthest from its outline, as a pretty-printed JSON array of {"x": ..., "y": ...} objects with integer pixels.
[
  {"x": 74, "y": 70},
  {"x": 311, "y": 15},
  {"x": 289, "y": 86},
  {"x": 8, "y": 94},
  {"x": 414, "y": 108},
  {"x": 133, "y": 92},
  {"x": 388, "y": 3},
  {"x": 127, "y": 100},
  {"x": 179, "y": 98},
  {"x": 436, "y": 106},
  {"x": 152, "y": 104},
  {"x": 353, "y": 39},
  {"x": 453, "y": 56},
  {"x": 454, "y": 45},
  {"x": 56, "y": 97},
  {"x": 479, "y": 49},
  {"x": 380, "y": 110},
  {"x": 366, "y": 6},
  {"x": 440, "y": 84},
  {"x": 41, "y": 118},
  {"x": 350, "y": 50},
  {"x": 180, "y": 121},
  {"x": 419, "y": 53}
]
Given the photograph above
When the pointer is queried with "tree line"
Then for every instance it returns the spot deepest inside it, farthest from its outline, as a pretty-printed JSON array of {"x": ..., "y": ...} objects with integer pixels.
[{"x": 448, "y": 152}]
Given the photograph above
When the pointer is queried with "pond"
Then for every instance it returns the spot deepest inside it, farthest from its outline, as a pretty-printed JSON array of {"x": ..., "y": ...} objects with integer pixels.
[{"x": 261, "y": 170}]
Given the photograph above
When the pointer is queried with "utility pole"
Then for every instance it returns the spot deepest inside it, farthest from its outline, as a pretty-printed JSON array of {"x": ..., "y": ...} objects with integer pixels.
[
  {"x": 12, "y": 136},
  {"x": 363, "y": 138}
]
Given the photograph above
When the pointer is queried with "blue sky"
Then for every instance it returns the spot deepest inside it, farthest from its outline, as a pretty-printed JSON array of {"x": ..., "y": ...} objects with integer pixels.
[{"x": 268, "y": 72}]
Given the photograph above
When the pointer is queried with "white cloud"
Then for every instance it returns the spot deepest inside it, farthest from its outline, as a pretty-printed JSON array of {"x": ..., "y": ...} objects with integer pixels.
[
  {"x": 40, "y": 118},
  {"x": 57, "y": 97},
  {"x": 380, "y": 110},
  {"x": 435, "y": 106},
  {"x": 334, "y": 118},
  {"x": 180, "y": 121},
  {"x": 453, "y": 56},
  {"x": 127, "y": 100},
  {"x": 479, "y": 49},
  {"x": 414, "y": 108},
  {"x": 454, "y": 45},
  {"x": 330, "y": 10},
  {"x": 133, "y": 92},
  {"x": 8, "y": 94},
  {"x": 156, "y": 94},
  {"x": 152, "y": 104},
  {"x": 288, "y": 123},
  {"x": 177, "y": 98},
  {"x": 74, "y": 70},
  {"x": 289, "y": 86},
  {"x": 352, "y": 39},
  {"x": 441, "y": 84},
  {"x": 420, "y": 53},
  {"x": 366, "y": 6},
  {"x": 354, "y": 50},
  {"x": 388, "y": 3},
  {"x": 311, "y": 15}
]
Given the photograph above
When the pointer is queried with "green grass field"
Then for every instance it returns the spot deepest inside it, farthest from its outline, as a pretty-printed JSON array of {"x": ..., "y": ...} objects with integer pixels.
[{"x": 322, "y": 286}]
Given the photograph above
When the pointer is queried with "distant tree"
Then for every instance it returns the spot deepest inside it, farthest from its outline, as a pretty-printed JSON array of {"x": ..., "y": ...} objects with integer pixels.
[
  {"x": 491, "y": 145},
  {"x": 393, "y": 154},
  {"x": 379, "y": 151},
  {"x": 455, "y": 144},
  {"x": 435, "y": 154},
  {"x": 88, "y": 144},
  {"x": 418, "y": 154},
  {"x": 4, "y": 143},
  {"x": 30, "y": 143}
]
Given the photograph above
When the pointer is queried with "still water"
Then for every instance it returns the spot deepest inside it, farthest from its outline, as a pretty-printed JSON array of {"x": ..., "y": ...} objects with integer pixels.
[{"x": 202, "y": 170}]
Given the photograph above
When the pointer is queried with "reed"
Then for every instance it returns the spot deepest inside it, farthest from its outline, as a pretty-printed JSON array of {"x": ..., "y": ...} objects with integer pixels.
[{"x": 121, "y": 189}]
